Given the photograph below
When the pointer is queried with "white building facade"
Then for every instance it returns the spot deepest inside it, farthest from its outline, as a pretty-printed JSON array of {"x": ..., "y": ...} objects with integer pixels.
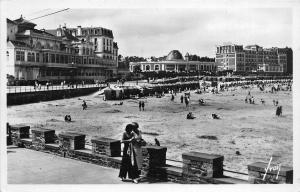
[
  {"x": 43, "y": 55},
  {"x": 174, "y": 62},
  {"x": 251, "y": 58}
]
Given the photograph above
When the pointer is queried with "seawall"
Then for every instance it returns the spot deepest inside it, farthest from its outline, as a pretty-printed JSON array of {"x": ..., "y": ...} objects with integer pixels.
[{"x": 37, "y": 96}]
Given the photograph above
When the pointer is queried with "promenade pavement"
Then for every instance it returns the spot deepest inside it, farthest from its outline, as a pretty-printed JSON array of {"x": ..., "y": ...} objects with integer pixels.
[{"x": 27, "y": 166}]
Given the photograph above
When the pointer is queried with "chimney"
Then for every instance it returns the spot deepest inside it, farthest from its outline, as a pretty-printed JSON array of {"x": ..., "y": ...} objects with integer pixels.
[
  {"x": 59, "y": 31},
  {"x": 79, "y": 32}
]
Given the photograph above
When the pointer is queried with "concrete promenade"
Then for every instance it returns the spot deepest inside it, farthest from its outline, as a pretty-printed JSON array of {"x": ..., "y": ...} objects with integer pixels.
[{"x": 27, "y": 166}]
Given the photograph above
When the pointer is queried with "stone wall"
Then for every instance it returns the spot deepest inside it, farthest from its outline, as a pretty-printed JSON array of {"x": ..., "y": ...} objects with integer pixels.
[
  {"x": 32, "y": 97},
  {"x": 276, "y": 174},
  {"x": 19, "y": 132},
  {"x": 197, "y": 168},
  {"x": 106, "y": 146}
]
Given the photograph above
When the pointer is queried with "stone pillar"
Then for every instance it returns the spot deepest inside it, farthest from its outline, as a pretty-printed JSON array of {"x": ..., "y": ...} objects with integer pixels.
[
  {"x": 276, "y": 174},
  {"x": 8, "y": 135},
  {"x": 106, "y": 146},
  {"x": 154, "y": 156},
  {"x": 19, "y": 132},
  {"x": 197, "y": 165},
  {"x": 71, "y": 141},
  {"x": 42, "y": 136}
]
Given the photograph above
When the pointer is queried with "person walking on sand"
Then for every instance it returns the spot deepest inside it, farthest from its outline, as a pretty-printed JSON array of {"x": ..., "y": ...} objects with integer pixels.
[
  {"x": 277, "y": 111},
  {"x": 172, "y": 97},
  {"x": 84, "y": 105},
  {"x": 127, "y": 168},
  {"x": 186, "y": 99},
  {"x": 143, "y": 105},
  {"x": 140, "y": 105},
  {"x": 280, "y": 111}
]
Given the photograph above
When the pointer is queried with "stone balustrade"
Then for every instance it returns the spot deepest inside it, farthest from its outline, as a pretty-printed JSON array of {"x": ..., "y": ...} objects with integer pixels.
[
  {"x": 18, "y": 132},
  {"x": 8, "y": 135},
  {"x": 72, "y": 141},
  {"x": 196, "y": 167},
  {"x": 275, "y": 174},
  {"x": 154, "y": 157},
  {"x": 106, "y": 146}
]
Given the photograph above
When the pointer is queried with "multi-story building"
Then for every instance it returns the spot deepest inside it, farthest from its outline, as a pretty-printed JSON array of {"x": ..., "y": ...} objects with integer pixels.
[
  {"x": 43, "y": 55},
  {"x": 289, "y": 58},
  {"x": 251, "y": 58},
  {"x": 176, "y": 63}
]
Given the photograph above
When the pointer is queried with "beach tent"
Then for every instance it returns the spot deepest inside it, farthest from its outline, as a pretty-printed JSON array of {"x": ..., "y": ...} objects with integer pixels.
[{"x": 110, "y": 94}]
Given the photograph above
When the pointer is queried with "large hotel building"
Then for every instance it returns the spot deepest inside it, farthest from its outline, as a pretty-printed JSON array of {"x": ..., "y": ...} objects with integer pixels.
[
  {"x": 253, "y": 58},
  {"x": 60, "y": 54}
]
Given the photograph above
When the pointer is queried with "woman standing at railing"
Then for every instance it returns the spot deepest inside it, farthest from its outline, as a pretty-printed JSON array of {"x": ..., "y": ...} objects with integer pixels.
[
  {"x": 127, "y": 168},
  {"x": 137, "y": 144}
]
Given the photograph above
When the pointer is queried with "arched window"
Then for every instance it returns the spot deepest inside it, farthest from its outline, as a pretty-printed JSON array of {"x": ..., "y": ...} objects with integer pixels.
[
  {"x": 38, "y": 45},
  {"x": 156, "y": 67},
  {"x": 147, "y": 67}
]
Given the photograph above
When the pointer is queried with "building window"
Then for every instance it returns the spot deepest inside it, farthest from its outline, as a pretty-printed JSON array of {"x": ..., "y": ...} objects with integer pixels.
[
  {"x": 56, "y": 58},
  {"x": 20, "y": 55},
  {"x": 37, "y": 57},
  {"x": 62, "y": 59},
  {"x": 148, "y": 68},
  {"x": 52, "y": 58},
  {"x": 30, "y": 57},
  {"x": 66, "y": 59},
  {"x": 45, "y": 57}
]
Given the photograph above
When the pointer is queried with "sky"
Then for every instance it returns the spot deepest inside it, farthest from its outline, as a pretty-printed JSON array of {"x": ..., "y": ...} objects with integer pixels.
[{"x": 156, "y": 31}]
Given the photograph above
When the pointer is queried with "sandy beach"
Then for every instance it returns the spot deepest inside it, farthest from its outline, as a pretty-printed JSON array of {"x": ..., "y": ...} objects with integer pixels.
[{"x": 251, "y": 129}]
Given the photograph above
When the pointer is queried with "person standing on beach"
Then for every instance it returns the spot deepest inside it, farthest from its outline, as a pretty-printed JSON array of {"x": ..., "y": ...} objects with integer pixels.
[
  {"x": 187, "y": 100},
  {"x": 84, "y": 105},
  {"x": 181, "y": 99},
  {"x": 143, "y": 105},
  {"x": 172, "y": 97},
  {"x": 140, "y": 105},
  {"x": 277, "y": 111}
]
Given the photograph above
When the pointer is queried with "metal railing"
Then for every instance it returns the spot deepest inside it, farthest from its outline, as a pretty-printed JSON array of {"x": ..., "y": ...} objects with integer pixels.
[{"x": 24, "y": 89}]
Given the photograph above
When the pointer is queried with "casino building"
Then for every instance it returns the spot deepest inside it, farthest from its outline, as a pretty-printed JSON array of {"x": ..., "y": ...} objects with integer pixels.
[
  {"x": 60, "y": 54},
  {"x": 176, "y": 63}
]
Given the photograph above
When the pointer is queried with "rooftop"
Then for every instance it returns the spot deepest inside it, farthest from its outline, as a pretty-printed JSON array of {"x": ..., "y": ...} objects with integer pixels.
[
  {"x": 22, "y": 21},
  {"x": 174, "y": 55}
]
